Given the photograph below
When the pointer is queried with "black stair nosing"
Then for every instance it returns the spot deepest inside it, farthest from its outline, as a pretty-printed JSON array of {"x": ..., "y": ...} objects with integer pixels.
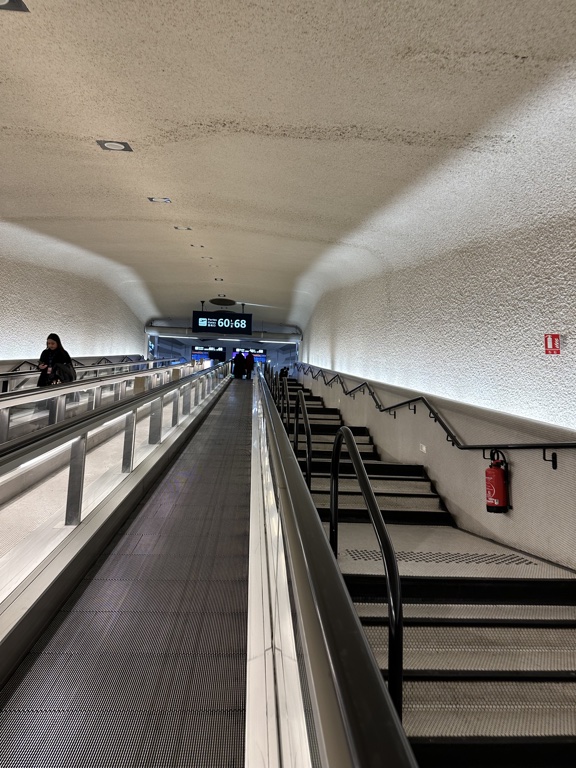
[
  {"x": 497, "y": 752},
  {"x": 331, "y": 429},
  {"x": 375, "y": 469},
  {"x": 446, "y": 589},
  {"x": 436, "y": 518},
  {"x": 386, "y": 494},
  {"x": 483, "y": 675},
  {"x": 423, "y": 478},
  {"x": 428, "y": 621}
]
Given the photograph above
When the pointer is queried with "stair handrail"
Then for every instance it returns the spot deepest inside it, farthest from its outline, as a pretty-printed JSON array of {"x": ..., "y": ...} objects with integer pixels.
[
  {"x": 389, "y": 559},
  {"x": 339, "y": 659},
  {"x": 285, "y": 403},
  {"x": 393, "y": 586},
  {"x": 434, "y": 413},
  {"x": 300, "y": 405}
]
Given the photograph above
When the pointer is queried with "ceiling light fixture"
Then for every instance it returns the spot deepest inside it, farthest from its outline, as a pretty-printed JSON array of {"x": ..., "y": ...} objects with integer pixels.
[
  {"x": 183, "y": 228},
  {"x": 159, "y": 199},
  {"x": 115, "y": 146},
  {"x": 13, "y": 5}
]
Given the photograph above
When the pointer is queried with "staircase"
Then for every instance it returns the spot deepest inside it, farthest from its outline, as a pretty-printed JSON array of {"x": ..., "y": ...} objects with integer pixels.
[{"x": 490, "y": 633}]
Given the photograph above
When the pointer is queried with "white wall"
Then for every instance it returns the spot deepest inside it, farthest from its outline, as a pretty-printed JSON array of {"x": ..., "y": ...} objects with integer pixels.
[
  {"x": 87, "y": 314},
  {"x": 466, "y": 325},
  {"x": 542, "y": 520}
]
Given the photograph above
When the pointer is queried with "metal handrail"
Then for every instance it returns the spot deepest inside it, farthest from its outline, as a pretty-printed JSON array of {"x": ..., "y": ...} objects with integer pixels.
[
  {"x": 89, "y": 368},
  {"x": 351, "y": 704},
  {"x": 300, "y": 404},
  {"x": 286, "y": 403},
  {"x": 29, "y": 446},
  {"x": 393, "y": 587},
  {"x": 451, "y": 435}
]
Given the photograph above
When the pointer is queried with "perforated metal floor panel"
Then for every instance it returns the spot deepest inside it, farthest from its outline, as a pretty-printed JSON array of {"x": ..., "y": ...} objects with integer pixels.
[{"x": 145, "y": 665}]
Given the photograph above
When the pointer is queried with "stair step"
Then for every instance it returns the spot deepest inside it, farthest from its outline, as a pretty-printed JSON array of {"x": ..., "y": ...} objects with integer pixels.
[
  {"x": 418, "y": 486},
  {"x": 472, "y": 614},
  {"x": 391, "y": 517},
  {"x": 366, "y": 450},
  {"x": 430, "y": 502},
  {"x": 329, "y": 439},
  {"x": 441, "y": 651},
  {"x": 373, "y": 468},
  {"x": 497, "y": 709},
  {"x": 364, "y": 587}
]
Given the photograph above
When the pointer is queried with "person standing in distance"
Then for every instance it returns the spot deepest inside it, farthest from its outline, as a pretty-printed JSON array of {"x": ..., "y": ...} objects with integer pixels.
[{"x": 249, "y": 365}]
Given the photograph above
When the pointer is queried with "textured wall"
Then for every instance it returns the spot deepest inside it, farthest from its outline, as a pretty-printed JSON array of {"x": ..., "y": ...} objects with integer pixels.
[
  {"x": 466, "y": 325},
  {"x": 89, "y": 316},
  {"x": 542, "y": 520}
]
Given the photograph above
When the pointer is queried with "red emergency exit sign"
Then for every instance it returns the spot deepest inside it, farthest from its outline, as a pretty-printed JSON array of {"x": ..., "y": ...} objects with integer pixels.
[{"x": 552, "y": 343}]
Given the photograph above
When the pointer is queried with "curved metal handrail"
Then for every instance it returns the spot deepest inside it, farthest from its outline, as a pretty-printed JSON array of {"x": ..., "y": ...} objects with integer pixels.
[
  {"x": 451, "y": 435},
  {"x": 393, "y": 588},
  {"x": 301, "y": 405}
]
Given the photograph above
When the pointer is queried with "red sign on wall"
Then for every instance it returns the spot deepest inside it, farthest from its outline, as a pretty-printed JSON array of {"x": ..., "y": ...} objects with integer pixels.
[{"x": 552, "y": 343}]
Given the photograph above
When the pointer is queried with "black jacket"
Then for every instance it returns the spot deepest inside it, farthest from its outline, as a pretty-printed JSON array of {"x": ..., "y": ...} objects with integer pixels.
[{"x": 52, "y": 358}]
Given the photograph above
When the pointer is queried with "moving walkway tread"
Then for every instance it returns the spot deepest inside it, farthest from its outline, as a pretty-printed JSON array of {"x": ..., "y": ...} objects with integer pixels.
[{"x": 145, "y": 664}]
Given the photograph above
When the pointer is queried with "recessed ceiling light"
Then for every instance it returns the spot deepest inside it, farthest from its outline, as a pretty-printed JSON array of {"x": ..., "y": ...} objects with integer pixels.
[
  {"x": 221, "y": 295},
  {"x": 115, "y": 146},
  {"x": 159, "y": 199},
  {"x": 182, "y": 227},
  {"x": 12, "y": 5}
]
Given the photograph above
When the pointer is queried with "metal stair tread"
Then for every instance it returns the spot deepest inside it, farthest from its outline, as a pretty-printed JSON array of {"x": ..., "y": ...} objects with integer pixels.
[
  {"x": 495, "y": 709},
  {"x": 472, "y": 612},
  {"x": 480, "y": 649},
  {"x": 401, "y": 485},
  {"x": 407, "y": 502},
  {"x": 436, "y": 551}
]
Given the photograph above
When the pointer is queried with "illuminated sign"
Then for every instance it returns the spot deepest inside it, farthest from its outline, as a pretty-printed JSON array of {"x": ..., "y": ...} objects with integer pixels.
[{"x": 221, "y": 322}]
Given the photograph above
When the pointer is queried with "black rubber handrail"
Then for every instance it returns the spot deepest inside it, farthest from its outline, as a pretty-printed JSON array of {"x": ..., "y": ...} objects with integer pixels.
[
  {"x": 285, "y": 403},
  {"x": 393, "y": 587},
  {"x": 300, "y": 405},
  {"x": 331, "y": 629},
  {"x": 433, "y": 412}
]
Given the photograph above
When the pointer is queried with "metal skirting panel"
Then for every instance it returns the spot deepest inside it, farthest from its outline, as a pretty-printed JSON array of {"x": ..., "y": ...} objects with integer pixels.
[{"x": 145, "y": 664}]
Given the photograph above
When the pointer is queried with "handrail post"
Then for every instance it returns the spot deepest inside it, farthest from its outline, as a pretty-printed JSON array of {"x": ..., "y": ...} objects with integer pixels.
[
  {"x": 156, "y": 412},
  {"x": 129, "y": 442},
  {"x": 76, "y": 481}
]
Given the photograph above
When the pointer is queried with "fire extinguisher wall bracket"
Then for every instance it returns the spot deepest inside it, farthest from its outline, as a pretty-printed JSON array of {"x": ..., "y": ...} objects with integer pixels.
[{"x": 497, "y": 483}]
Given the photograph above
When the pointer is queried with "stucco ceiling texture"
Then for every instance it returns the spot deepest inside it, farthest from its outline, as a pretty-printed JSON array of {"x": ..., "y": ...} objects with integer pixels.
[{"x": 278, "y": 129}]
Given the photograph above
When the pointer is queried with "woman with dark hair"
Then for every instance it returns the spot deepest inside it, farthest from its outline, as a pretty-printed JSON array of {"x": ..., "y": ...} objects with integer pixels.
[{"x": 52, "y": 360}]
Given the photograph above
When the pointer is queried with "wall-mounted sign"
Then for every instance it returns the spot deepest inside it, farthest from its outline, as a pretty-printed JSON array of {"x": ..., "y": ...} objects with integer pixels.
[
  {"x": 245, "y": 350},
  {"x": 208, "y": 349},
  {"x": 222, "y": 322},
  {"x": 552, "y": 343}
]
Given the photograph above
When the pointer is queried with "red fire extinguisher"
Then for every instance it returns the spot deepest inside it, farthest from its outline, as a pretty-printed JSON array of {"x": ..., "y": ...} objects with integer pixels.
[{"x": 497, "y": 496}]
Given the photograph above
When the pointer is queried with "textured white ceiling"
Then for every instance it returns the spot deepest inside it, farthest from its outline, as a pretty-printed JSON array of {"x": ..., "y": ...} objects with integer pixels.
[{"x": 306, "y": 143}]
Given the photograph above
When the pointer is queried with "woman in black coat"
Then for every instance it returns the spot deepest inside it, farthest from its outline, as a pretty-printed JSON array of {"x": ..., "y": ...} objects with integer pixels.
[{"x": 53, "y": 356}]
